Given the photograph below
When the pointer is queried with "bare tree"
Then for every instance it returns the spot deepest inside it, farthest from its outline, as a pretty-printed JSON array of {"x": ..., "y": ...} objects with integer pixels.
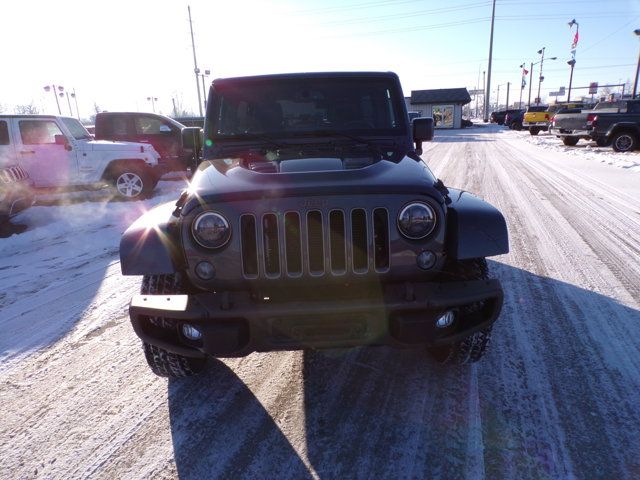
[
  {"x": 26, "y": 109},
  {"x": 179, "y": 109}
]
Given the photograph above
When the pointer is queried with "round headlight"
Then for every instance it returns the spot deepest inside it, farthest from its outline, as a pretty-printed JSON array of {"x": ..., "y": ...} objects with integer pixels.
[
  {"x": 211, "y": 230},
  {"x": 416, "y": 220}
]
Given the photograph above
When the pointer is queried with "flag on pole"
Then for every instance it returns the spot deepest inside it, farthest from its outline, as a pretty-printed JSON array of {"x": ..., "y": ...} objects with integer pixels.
[{"x": 576, "y": 37}]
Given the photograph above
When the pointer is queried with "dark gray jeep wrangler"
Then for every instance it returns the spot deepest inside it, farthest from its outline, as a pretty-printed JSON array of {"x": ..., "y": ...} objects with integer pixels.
[{"x": 313, "y": 223}]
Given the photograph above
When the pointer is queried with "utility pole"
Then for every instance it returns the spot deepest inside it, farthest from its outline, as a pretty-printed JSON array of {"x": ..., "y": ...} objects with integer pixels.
[
  {"x": 635, "y": 83},
  {"x": 484, "y": 92},
  {"x": 486, "y": 104},
  {"x": 530, "y": 81},
  {"x": 196, "y": 70},
  {"x": 508, "y": 87}
]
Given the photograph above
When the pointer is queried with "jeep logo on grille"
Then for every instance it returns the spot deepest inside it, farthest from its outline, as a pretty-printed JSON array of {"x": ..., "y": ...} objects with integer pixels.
[{"x": 313, "y": 203}]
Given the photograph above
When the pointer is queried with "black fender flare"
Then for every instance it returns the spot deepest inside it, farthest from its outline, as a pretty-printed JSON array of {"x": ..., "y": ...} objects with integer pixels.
[
  {"x": 631, "y": 127},
  {"x": 475, "y": 228},
  {"x": 150, "y": 245}
]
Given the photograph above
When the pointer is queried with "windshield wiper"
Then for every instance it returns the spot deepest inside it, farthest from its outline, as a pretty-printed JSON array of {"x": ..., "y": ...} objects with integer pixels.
[{"x": 257, "y": 136}]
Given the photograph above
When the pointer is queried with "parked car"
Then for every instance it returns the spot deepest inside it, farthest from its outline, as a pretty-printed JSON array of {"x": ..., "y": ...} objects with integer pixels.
[
  {"x": 58, "y": 152},
  {"x": 513, "y": 119},
  {"x": 536, "y": 119},
  {"x": 621, "y": 129},
  {"x": 573, "y": 124},
  {"x": 162, "y": 132},
  {"x": 413, "y": 115},
  {"x": 499, "y": 116},
  {"x": 313, "y": 223}
]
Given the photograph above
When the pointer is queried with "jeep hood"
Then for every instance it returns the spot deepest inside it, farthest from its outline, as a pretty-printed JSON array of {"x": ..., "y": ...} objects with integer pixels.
[
  {"x": 108, "y": 145},
  {"x": 225, "y": 180}
]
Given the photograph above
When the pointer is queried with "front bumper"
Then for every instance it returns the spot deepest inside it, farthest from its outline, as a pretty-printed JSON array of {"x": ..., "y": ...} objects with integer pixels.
[{"x": 238, "y": 324}]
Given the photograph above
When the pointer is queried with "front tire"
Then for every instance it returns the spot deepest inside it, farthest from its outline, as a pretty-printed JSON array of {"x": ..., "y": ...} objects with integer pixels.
[
  {"x": 472, "y": 348},
  {"x": 162, "y": 362},
  {"x": 534, "y": 130},
  {"x": 624, "y": 142}
]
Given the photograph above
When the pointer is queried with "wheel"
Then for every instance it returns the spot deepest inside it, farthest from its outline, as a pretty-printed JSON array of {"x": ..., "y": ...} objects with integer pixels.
[
  {"x": 624, "y": 142},
  {"x": 133, "y": 182},
  {"x": 472, "y": 348},
  {"x": 517, "y": 126},
  {"x": 162, "y": 362},
  {"x": 570, "y": 141},
  {"x": 534, "y": 130}
]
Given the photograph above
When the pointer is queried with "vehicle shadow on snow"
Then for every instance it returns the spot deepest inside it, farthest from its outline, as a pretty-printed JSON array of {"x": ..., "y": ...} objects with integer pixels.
[
  {"x": 385, "y": 413},
  {"x": 220, "y": 429},
  {"x": 558, "y": 387}
]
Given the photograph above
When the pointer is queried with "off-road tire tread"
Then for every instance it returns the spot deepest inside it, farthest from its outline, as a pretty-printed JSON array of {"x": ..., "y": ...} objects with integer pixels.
[
  {"x": 472, "y": 348},
  {"x": 162, "y": 362}
]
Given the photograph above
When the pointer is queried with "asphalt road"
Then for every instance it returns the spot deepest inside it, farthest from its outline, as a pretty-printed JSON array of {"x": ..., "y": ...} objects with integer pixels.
[{"x": 557, "y": 396}]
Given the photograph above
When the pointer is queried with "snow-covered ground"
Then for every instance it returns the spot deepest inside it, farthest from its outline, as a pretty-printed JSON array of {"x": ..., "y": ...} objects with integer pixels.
[
  {"x": 557, "y": 396},
  {"x": 584, "y": 150}
]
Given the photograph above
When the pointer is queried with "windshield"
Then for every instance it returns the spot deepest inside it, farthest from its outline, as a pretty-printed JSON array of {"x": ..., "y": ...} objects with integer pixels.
[
  {"x": 288, "y": 106},
  {"x": 76, "y": 129}
]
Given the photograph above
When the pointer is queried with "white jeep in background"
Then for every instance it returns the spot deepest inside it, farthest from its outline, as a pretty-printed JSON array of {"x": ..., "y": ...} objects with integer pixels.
[{"x": 58, "y": 152}]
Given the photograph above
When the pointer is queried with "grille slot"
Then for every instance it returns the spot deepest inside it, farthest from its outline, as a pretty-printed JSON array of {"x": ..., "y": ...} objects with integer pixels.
[
  {"x": 271, "y": 244},
  {"x": 359, "y": 240},
  {"x": 315, "y": 242},
  {"x": 293, "y": 246},
  {"x": 381, "y": 239},
  {"x": 249, "y": 245},
  {"x": 337, "y": 245}
]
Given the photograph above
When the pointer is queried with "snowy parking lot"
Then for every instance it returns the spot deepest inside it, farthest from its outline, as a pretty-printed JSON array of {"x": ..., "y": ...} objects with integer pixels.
[{"x": 557, "y": 396}]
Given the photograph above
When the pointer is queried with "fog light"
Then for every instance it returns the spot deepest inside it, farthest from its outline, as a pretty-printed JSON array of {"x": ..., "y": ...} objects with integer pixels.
[
  {"x": 426, "y": 259},
  {"x": 191, "y": 332},
  {"x": 205, "y": 270},
  {"x": 446, "y": 320}
]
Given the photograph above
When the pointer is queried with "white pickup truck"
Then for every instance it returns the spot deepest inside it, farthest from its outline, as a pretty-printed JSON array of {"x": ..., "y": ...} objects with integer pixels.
[{"x": 58, "y": 152}]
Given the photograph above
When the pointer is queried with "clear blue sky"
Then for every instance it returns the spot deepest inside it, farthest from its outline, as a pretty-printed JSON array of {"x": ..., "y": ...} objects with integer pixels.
[{"x": 118, "y": 53}]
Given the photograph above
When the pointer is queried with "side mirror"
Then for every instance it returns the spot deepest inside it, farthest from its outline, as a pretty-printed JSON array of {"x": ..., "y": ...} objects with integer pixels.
[
  {"x": 192, "y": 138},
  {"x": 62, "y": 141},
  {"x": 423, "y": 129},
  {"x": 164, "y": 129}
]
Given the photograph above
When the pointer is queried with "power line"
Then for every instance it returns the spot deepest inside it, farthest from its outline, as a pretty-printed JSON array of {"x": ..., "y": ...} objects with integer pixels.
[{"x": 419, "y": 13}]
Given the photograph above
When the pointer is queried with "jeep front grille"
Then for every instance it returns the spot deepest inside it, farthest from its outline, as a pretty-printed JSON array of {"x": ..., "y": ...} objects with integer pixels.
[
  {"x": 315, "y": 243},
  {"x": 12, "y": 174}
]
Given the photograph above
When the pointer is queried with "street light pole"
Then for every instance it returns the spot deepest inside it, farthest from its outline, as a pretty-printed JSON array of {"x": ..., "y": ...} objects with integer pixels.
[
  {"x": 153, "y": 105},
  {"x": 196, "y": 70},
  {"x": 62, "y": 94},
  {"x": 204, "y": 91},
  {"x": 75, "y": 98},
  {"x": 487, "y": 100},
  {"x": 571, "y": 62},
  {"x": 530, "y": 82},
  {"x": 55, "y": 95},
  {"x": 540, "y": 77}
]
